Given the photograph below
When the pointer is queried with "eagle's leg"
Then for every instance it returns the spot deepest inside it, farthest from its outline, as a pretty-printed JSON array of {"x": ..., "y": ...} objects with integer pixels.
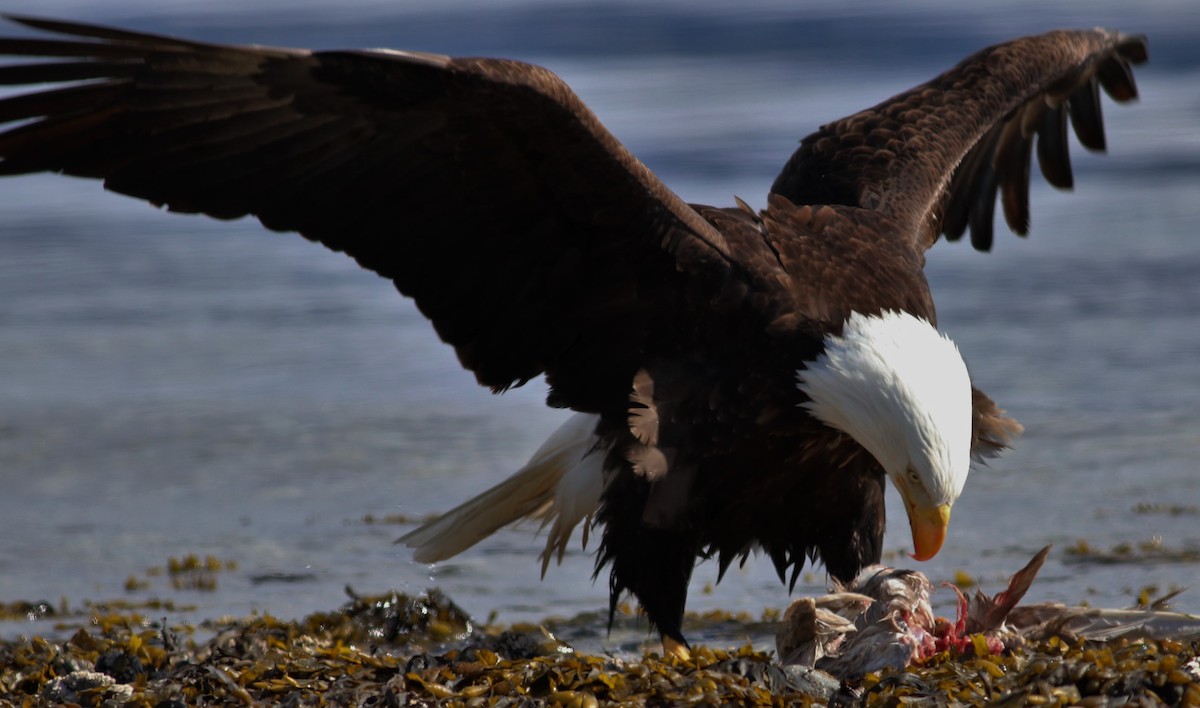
[
  {"x": 656, "y": 566},
  {"x": 857, "y": 538}
]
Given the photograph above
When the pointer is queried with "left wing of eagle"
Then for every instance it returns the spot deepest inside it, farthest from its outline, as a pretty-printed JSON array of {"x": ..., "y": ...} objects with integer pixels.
[
  {"x": 934, "y": 158},
  {"x": 483, "y": 188}
]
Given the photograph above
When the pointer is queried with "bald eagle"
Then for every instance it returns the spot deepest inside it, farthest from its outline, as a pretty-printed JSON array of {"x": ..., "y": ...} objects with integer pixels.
[{"x": 741, "y": 379}]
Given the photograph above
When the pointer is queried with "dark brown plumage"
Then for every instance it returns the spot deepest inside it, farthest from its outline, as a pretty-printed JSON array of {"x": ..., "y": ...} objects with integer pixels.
[{"x": 536, "y": 244}]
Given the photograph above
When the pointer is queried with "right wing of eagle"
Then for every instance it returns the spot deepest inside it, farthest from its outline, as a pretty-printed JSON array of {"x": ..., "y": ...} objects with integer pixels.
[{"x": 484, "y": 188}]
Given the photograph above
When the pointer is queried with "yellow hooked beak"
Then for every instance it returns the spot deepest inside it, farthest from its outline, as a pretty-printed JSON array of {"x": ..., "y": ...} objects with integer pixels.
[{"x": 928, "y": 529}]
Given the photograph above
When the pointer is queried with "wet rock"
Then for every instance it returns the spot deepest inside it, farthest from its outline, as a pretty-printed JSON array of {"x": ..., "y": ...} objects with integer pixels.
[
  {"x": 123, "y": 666},
  {"x": 86, "y": 688}
]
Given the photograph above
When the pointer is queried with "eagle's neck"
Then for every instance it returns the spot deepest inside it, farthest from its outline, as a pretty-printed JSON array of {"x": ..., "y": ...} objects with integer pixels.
[{"x": 901, "y": 390}]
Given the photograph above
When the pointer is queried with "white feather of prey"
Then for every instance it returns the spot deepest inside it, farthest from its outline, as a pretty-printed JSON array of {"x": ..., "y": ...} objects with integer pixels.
[{"x": 561, "y": 485}]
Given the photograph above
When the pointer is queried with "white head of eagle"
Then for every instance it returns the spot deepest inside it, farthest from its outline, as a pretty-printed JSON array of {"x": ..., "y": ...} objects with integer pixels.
[{"x": 901, "y": 390}]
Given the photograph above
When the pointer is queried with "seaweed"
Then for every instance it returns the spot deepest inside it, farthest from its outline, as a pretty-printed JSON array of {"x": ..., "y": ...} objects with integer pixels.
[{"x": 395, "y": 649}]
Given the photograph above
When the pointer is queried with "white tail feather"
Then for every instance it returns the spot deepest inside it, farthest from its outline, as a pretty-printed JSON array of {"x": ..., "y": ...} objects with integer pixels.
[
  {"x": 576, "y": 498},
  {"x": 561, "y": 484}
]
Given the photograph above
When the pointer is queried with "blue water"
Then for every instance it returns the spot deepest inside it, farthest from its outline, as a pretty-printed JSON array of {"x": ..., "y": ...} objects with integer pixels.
[{"x": 173, "y": 385}]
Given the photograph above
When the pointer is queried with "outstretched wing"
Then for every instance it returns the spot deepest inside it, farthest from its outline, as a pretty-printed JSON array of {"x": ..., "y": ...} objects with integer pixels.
[
  {"x": 934, "y": 158},
  {"x": 483, "y": 188}
]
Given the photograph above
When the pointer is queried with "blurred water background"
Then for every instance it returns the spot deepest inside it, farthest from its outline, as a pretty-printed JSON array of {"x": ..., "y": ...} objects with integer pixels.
[{"x": 173, "y": 385}]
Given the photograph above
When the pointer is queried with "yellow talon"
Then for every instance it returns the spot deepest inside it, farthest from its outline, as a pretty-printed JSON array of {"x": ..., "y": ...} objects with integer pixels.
[{"x": 679, "y": 650}]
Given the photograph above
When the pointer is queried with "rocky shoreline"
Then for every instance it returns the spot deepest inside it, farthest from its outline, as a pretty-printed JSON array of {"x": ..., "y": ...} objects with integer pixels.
[{"x": 393, "y": 650}]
